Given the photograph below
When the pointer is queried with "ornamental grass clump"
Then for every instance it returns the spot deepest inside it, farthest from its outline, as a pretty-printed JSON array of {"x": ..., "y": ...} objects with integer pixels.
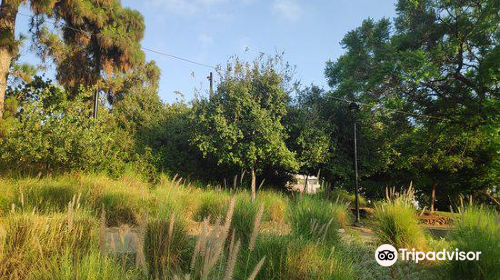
[
  {"x": 397, "y": 223},
  {"x": 32, "y": 242},
  {"x": 314, "y": 218},
  {"x": 477, "y": 230}
]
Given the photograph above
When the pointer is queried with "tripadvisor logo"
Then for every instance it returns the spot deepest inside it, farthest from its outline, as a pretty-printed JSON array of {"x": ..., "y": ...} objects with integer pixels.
[{"x": 387, "y": 255}]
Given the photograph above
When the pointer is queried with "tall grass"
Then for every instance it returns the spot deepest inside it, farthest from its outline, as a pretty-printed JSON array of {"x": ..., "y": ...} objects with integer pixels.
[
  {"x": 211, "y": 204},
  {"x": 125, "y": 199},
  {"x": 89, "y": 266},
  {"x": 313, "y": 218},
  {"x": 33, "y": 242},
  {"x": 396, "y": 222},
  {"x": 291, "y": 258},
  {"x": 57, "y": 230},
  {"x": 167, "y": 246},
  {"x": 477, "y": 230}
]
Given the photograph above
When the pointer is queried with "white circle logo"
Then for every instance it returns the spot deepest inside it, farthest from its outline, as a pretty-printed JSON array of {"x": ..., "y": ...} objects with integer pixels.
[{"x": 386, "y": 255}]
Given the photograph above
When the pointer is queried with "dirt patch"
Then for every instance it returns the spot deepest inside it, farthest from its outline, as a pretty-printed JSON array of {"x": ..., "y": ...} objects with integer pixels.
[{"x": 435, "y": 219}]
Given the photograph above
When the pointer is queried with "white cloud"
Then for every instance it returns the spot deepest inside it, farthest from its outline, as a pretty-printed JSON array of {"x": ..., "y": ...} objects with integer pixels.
[{"x": 289, "y": 9}]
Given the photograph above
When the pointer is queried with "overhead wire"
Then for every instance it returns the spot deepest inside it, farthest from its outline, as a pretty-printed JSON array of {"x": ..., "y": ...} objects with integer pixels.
[
  {"x": 143, "y": 48},
  {"x": 391, "y": 110},
  {"x": 213, "y": 67}
]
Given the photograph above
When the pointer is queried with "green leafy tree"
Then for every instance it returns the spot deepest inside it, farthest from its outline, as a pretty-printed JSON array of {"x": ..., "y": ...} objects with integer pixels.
[
  {"x": 309, "y": 133},
  {"x": 242, "y": 124},
  {"x": 97, "y": 38},
  {"x": 321, "y": 130},
  {"x": 439, "y": 62},
  {"x": 48, "y": 133}
]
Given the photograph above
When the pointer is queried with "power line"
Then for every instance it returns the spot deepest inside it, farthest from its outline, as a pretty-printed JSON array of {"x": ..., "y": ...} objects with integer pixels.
[
  {"x": 392, "y": 110},
  {"x": 179, "y": 58},
  {"x": 143, "y": 48}
]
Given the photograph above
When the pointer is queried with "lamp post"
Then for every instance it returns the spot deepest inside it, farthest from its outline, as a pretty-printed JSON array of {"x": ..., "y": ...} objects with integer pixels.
[{"x": 354, "y": 108}]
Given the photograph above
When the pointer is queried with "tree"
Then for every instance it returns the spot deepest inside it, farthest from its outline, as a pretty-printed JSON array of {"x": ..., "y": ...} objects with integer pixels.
[
  {"x": 242, "y": 124},
  {"x": 309, "y": 133},
  {"x": 98, "y": 37},
  {"x": 438, "y": 61},
  {"x": 49, "y": 133}
]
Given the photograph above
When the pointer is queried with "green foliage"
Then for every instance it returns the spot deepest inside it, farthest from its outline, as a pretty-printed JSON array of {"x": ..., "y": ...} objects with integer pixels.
[
  {"x": 33, "y": 242},
  {"x": 99, "y": 39},
  {"x": 288, "y": 258},
  {"x": 477, "y": 230},
  {"x": 241, "y": 125},
  {"x": 309, "y": 133},
  {"x": 167, "y": 246},
  {"x": 89, "y": 266},
  {"x": 433, "y": 59},
  {"x": 54, "y": 134},
  {"x": 344, "y": 197},
  {"x": 396, "y": 223},
  {"x": 244, "y": 215},
  {"x": 212, "y": 205},
  {"x": 276, "y": 206},
  {"x": 317, "y": 219}
]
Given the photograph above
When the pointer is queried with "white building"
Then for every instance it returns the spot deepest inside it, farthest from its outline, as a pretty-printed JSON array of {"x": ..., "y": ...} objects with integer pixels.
[{"x": 303, "y": 184}]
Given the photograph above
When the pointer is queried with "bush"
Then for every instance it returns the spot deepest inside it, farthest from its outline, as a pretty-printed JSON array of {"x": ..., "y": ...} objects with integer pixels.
[
  {"x": 313, "y": 218},
  {"x": 53, "y": 134},
  {"x": 396, "y": 223},
  {"x": 342, "y": 196},
  {"x": 477, "y": 230}
]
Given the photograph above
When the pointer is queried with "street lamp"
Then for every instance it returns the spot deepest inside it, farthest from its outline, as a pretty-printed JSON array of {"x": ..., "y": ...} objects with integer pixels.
[{"x": 354, "y": 108}]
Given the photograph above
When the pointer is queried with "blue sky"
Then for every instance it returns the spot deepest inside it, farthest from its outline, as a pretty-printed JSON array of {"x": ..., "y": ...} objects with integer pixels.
[{"x": 210, "y": 31}]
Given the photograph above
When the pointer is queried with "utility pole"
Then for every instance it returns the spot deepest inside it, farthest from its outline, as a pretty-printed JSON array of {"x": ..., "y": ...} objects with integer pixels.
[
  {"x": 211, "y": 79},
  {"x": 353, "y": 107},
  {"x": 96, "y": 104}
]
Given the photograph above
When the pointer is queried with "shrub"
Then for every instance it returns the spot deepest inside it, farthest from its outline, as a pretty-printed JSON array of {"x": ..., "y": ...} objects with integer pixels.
[
  {"x": 313, "y": 218},
  {"x": 477, "y": 230},
  {"x": 342, "y": 196},
  {"x": 396, "y": 223},
  {"x": 54, "y": 134}
]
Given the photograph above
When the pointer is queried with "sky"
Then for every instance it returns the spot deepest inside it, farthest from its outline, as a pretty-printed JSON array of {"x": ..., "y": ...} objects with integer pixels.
[{"x": 210, "y": 31}]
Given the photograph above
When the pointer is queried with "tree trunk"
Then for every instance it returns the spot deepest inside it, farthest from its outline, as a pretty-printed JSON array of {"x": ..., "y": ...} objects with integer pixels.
[
  {"x": 254, "y": 183},
  {"x": 304, "y": 189},
  {"x": 433, "y": 197},
  {"x": 8, "y": 13}
]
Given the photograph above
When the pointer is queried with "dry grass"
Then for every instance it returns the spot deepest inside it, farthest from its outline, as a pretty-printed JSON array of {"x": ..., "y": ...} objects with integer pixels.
[{"x": 54, "y": 217}]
